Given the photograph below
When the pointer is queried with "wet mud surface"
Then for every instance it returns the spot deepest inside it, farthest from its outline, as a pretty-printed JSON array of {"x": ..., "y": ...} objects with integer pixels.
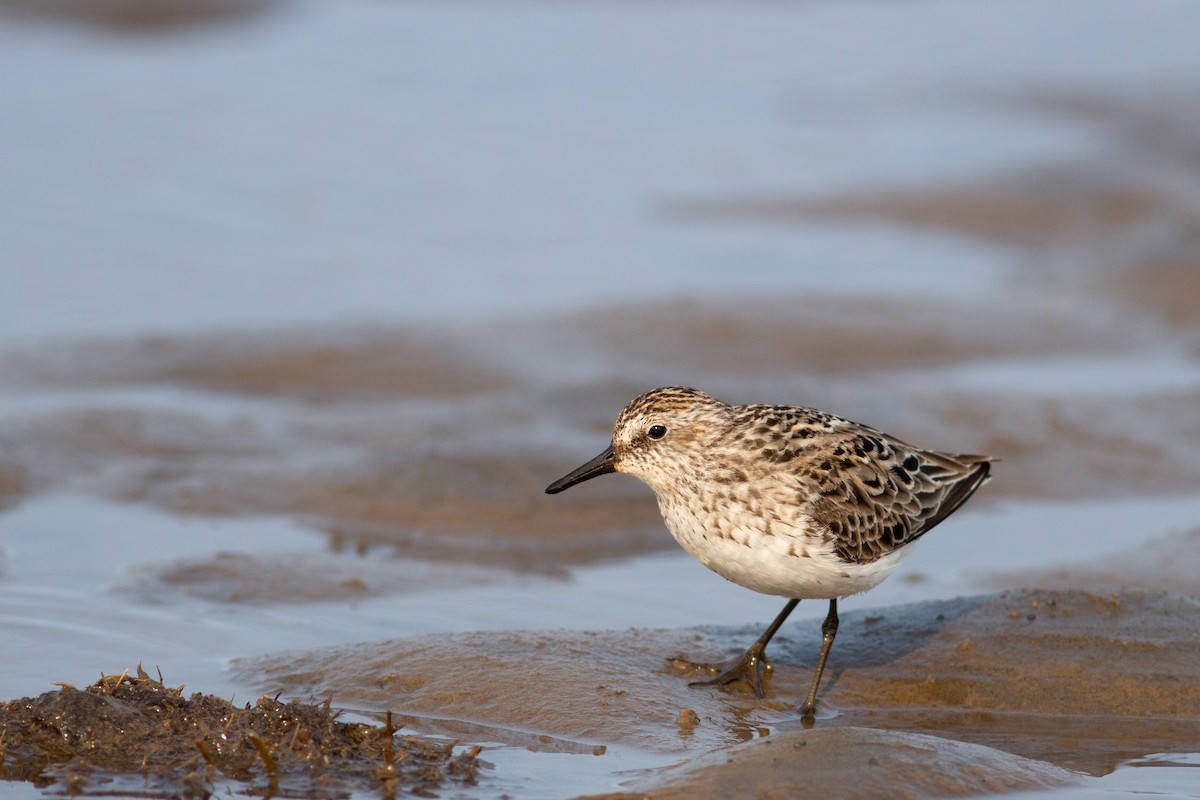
[
  {"x": 1073, "y": 679},
  {"x": 895, "y": 765},
  {"x": 13, "y": 485},
  {"x": 138, "y": 17},
  {"x": 133, "y": 735},
  {"x": 1023, "y": 690},
  {"x": 1059, "y": 205},
  {"x": 441, "y": 451},
  {"x": 1040, "y": 209}
]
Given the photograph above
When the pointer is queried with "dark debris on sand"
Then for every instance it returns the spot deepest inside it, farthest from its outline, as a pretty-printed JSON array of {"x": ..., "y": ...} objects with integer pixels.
[{"x": 134, "y": 736}]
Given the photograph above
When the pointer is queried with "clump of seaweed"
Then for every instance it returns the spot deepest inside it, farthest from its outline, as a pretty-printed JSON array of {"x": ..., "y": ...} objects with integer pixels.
[{"x": 132, "y": 735}]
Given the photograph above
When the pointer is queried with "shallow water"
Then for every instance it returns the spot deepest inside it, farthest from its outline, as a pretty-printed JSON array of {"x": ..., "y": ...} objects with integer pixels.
[{"x": 304, "y": 307}]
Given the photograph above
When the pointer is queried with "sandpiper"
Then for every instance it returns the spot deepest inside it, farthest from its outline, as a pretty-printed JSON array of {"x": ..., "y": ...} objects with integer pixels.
[{"x": 786, "y": 501}]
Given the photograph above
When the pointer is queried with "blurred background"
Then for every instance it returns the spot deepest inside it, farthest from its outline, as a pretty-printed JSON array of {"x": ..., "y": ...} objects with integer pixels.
[
  {"x": 305, "y": 303},
  {"x": 202, "y": 164}
]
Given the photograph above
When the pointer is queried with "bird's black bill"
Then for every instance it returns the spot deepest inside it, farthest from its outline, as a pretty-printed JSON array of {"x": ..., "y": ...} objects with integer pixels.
[{"x": 602, "y": 464}]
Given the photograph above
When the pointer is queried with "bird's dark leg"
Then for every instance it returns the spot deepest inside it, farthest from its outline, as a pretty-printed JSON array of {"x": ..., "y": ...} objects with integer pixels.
[
  {"x": 828, "y": 632},
  {"x": 751, "y": 665}
]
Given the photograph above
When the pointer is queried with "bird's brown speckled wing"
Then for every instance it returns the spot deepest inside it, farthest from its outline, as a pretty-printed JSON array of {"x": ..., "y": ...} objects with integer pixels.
[{"x": 871, "y": 492}]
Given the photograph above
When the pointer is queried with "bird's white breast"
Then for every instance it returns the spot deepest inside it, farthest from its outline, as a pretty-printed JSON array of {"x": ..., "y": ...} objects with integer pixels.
[{"x": 760, "y": 550}]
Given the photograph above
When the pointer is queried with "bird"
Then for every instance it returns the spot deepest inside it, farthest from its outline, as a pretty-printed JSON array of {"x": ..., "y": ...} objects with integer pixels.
[{"x": 784, "y": 500}]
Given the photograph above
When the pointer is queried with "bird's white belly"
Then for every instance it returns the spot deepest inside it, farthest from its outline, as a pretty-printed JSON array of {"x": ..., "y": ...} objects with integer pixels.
[{"x": 789, "y": 561}]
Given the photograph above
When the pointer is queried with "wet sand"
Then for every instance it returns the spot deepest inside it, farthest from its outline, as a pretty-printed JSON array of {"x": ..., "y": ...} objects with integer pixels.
[
  {"x": 441, "y": 450},
  {"x": 898, "y": 765},
  {"x": 135, "y": 16},
  {"x": 13, "y": 485},
  {"x": 1073, "y": 679}
]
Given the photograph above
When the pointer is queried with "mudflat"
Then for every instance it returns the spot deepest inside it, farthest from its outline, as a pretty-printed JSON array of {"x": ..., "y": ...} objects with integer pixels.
[{"x": 1077, "y": 680}]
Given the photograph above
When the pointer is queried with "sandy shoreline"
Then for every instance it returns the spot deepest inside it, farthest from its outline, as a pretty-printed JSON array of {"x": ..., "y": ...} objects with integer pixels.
[
  {"x": 442, "y": 443},
  {"x": 1068, "y": 678},
  {"x": 1050, "y": 687}
]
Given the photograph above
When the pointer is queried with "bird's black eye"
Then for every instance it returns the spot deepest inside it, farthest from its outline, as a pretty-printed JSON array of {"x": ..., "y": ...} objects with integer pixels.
[{"x": 657, "y": 431}]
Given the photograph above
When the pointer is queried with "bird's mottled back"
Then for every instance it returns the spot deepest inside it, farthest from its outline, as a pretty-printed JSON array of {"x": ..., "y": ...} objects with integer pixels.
[
  {"x": 870, "y": 492},
  {"x": 860, "y": 491}
]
